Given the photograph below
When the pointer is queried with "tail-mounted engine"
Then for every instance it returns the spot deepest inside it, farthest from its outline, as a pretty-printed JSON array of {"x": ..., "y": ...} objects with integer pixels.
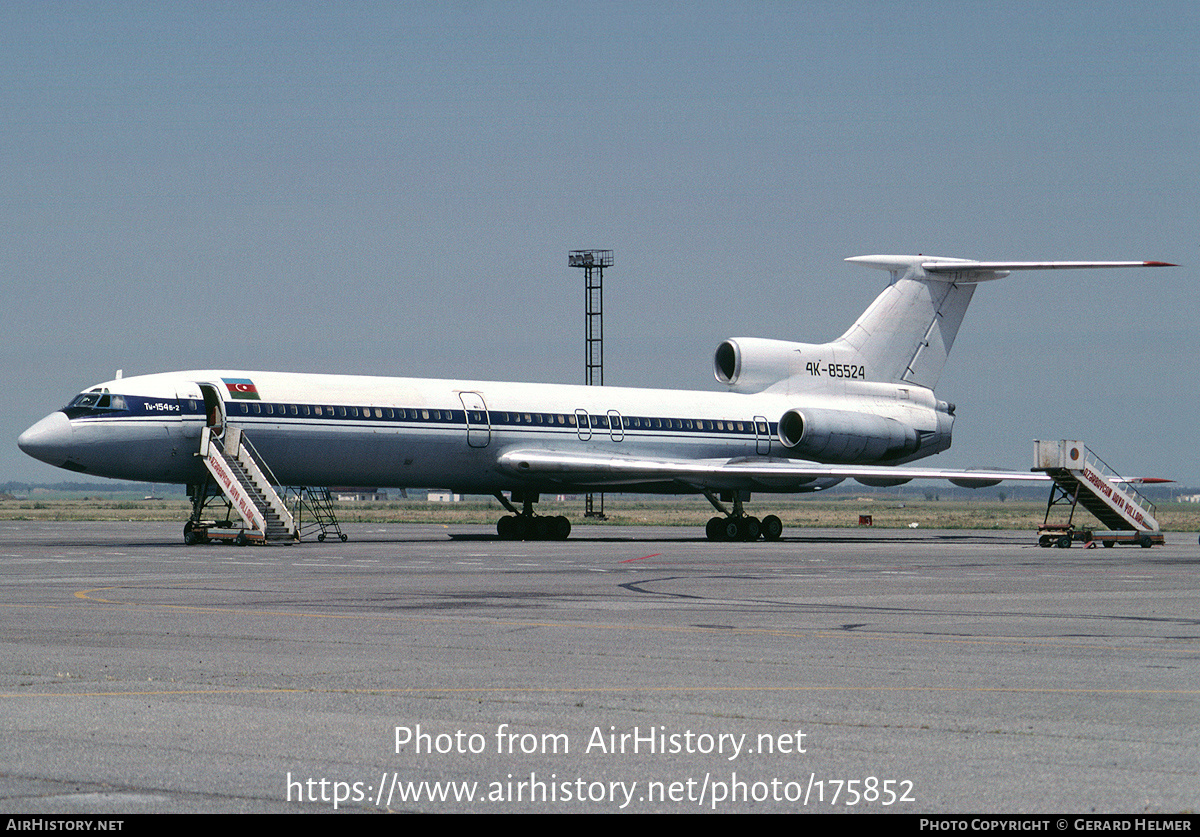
[
  {"x": 846, "y": 438},
  {"x": 749, "y": 364}
]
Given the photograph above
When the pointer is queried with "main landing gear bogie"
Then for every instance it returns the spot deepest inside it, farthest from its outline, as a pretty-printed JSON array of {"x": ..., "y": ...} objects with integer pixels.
[
  {"x": 522, "y": 527},
  {"x": 736, "y": 525},
  {"x": 744, "y": 528}
]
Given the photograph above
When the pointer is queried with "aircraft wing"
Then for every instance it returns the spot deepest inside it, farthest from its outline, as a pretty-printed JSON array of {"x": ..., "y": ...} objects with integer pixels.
[{"x": 749, "y": 473}]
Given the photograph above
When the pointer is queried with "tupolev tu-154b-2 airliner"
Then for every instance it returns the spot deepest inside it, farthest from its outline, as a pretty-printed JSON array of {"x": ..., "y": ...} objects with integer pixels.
[{"x": 794, "y": 417}]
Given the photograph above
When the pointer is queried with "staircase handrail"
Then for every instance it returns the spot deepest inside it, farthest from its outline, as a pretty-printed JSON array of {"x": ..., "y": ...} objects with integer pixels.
[
  {"x": 1106, "y": 471},
  {"x": 261, "y": 464},
  {"x": 259, "y": 461}
]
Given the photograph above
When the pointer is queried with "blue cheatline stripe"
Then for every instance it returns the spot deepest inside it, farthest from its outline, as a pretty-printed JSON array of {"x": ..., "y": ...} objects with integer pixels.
[
  {"x": 141, "y": 407},
  {"x": 507, "y": 419}
]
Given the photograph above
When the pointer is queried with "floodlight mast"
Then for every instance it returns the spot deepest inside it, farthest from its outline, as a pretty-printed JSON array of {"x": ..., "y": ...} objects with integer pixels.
[{"x": 593, "y": 263}]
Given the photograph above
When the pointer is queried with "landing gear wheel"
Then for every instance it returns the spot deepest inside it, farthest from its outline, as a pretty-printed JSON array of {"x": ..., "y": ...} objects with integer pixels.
[
  {"x": 772, "y": 528},
  {"x": 542, "y": 528},
  {"x": 731, "y": 529},
  {"x": 713, "y": 529},
  {"x": 750, "y": 529},
  {"x": 506, "y": 528},
  {"x": 521, "y": 527},
  {"x": 561, "y": 528}
]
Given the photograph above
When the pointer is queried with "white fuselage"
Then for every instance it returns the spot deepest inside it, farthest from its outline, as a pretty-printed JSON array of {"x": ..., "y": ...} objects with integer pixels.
[{"x": 408, "y": 432}]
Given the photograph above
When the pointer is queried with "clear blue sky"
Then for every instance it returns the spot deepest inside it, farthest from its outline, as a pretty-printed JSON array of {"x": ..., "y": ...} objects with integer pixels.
[{"x": 392, "y": 188}]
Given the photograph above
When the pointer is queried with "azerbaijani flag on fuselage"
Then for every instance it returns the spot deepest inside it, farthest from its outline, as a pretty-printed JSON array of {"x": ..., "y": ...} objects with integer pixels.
[{"x": 242, "y": 389}]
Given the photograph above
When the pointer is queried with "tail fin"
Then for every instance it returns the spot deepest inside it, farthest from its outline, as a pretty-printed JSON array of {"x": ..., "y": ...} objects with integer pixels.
[{"x": 906, "y": 334}]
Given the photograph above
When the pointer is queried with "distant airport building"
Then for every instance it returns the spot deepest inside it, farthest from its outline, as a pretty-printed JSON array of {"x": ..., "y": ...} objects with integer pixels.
[{"x": 352, "y": 494}]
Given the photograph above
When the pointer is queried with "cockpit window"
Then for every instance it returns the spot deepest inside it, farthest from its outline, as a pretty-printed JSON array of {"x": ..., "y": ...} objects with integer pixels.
[
  {"x": 86, "y": 399},
  {"x": 95, "y": 402}
]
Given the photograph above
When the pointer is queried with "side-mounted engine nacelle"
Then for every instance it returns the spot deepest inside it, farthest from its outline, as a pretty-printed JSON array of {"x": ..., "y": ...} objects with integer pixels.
[
  {"x": 846, "y": 438},
  {"x": 749, "y": 364}
]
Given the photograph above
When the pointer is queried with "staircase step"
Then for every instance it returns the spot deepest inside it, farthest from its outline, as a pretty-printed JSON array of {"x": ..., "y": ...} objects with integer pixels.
[{"x": 264, "y": 499}]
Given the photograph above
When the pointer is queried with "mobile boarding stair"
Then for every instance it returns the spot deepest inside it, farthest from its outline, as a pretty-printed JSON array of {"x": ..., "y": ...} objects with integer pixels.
[
  {"x": 1083, "y": 479},
  {"x": 241, "y": 479},
  {"x": 321, "y": 517}
]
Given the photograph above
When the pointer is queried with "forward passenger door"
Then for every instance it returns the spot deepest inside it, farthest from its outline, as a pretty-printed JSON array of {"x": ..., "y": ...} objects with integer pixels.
[{"x": 479, "y": 425}]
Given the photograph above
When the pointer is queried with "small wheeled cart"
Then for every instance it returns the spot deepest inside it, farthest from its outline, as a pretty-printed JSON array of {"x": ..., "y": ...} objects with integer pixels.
[
  {"x": 209, "y": 531},
  {"x": 1051, "y": 534}
]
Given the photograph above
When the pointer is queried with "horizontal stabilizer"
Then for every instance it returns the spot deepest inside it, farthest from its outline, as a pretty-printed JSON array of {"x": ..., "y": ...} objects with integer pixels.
[
  {"x": 968, "y": 270},
  {"x": 906, "y": 334},
  {"x": 945, "y": 267}
]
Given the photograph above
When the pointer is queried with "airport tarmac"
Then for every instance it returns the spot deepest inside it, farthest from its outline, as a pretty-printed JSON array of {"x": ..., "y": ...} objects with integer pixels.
[{"x": 636, "y": 669}]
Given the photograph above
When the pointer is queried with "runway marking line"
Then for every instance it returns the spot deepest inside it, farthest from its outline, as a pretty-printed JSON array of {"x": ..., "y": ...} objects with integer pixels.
[{"x": 643, "y": 558}]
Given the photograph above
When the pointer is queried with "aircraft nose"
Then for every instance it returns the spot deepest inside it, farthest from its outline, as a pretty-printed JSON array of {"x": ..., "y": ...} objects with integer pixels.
[{"x": 49, "y": 440}]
